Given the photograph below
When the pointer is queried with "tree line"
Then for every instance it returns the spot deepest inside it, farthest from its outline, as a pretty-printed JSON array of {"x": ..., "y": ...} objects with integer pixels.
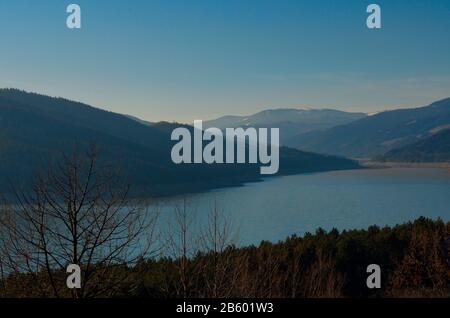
[{"x": 79, "y": 213}]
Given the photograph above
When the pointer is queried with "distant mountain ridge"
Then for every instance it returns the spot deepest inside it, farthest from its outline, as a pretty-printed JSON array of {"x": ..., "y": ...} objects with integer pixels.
[
  {"x": 141, "y": 121},
  {"x": 290, "y": 121},
  {"x": 432, "y": 149},
  {"x": 377, "y": 134},
  {"x": 35, "y": 130}
]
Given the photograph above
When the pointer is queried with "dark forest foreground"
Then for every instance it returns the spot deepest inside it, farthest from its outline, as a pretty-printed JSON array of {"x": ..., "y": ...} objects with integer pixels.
[
  {"x": 78, "y": 213},
  {"x": 414, "y": 259}
]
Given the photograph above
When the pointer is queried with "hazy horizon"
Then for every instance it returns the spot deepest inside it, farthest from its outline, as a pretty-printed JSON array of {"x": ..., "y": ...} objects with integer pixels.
[
  {"x": 181, "y": 61},
  {"x": 225, "y": 114}
]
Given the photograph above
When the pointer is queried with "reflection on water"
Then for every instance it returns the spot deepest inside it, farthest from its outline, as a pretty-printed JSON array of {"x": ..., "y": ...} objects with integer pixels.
[{"x": 282, "y": 206}]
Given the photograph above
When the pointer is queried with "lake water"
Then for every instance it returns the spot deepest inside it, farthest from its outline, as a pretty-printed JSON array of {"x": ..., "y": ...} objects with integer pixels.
[{"x": 282, "y": 206}]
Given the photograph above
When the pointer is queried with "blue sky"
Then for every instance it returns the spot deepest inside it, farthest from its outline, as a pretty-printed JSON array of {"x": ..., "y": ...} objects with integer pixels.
[{"x": 180, "y": 60}]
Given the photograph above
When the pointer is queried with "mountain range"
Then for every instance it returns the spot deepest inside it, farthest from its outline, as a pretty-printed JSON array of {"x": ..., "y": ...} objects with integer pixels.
[
  {"x": 290, "y": 121},
  {"x": 381, "y": 133},
  {"x": 432, "y": 149},
  {"x": 36, "y": 129}
]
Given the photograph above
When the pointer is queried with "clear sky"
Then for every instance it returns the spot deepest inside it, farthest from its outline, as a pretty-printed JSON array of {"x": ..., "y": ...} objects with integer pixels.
[{"x": 180, "y": 60}]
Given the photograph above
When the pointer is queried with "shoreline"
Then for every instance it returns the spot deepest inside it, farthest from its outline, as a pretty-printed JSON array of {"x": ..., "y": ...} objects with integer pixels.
[{"x": 389, "y": 164}]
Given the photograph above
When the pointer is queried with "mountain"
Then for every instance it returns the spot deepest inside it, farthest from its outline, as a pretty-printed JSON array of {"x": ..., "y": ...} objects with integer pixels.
[
  {"x": 35, "y": 130},
  {"x": 291, "y": 121},
  {"x": 377, "y": 134},
  {"x": 141, "y": 121},
  {"x": 432, "y": 149}
]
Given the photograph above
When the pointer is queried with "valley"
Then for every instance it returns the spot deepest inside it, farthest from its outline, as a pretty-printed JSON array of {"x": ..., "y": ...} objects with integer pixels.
[{"x": 36, "y": 130}]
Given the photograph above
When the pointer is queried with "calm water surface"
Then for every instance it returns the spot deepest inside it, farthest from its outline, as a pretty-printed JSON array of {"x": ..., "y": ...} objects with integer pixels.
[{"x": 282, "y": 206}]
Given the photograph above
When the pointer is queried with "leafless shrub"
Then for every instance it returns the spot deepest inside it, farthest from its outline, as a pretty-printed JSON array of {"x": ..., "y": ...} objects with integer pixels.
[{"x": 76, "y": 213}]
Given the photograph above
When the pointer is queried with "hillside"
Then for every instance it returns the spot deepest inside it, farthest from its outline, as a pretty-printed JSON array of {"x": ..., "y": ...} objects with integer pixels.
[
  {"x": 377, "y": 134},
  {"x": 290, "y": 121},
  {"x": 35, "y": 130},
  {"x": 432, "y": 149}
]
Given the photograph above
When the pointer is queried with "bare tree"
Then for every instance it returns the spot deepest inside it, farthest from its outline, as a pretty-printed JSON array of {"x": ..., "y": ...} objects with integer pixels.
[
  {"x": 182, "y": 246},
  {"x": 321, "y": 279},
  {"x": 261, "y": 276},
  {"x": 222, "y": 269},
  {"x": 76, "y": 213},
  {"x": 203, "y": 254}
]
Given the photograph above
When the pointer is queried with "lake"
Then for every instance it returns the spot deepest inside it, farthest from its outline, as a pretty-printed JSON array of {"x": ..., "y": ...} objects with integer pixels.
[{"x": 281, "y": 206}]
